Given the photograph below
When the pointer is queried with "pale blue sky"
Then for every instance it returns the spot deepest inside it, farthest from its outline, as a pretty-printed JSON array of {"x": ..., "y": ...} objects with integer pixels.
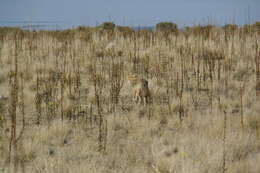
[{"x": 131, "y": 12}]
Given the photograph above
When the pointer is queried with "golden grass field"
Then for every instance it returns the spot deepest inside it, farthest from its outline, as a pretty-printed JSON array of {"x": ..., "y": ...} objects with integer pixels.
[{"x": 66, "y": 101}]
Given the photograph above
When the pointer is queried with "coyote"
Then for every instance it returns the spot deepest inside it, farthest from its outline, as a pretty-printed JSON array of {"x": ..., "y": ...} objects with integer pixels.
[{"x": 141, "y": 92}]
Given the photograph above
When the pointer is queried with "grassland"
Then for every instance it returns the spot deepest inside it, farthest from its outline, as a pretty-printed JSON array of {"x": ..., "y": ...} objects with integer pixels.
[{"x": 69, "y": 106}]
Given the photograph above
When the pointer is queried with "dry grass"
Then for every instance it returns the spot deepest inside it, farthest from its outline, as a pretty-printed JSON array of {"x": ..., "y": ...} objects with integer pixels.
[{"x": 70, "y": 104}]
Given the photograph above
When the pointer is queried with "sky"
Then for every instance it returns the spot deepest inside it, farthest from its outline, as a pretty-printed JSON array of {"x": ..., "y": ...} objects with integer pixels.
[{"x": 130, "y": 12}]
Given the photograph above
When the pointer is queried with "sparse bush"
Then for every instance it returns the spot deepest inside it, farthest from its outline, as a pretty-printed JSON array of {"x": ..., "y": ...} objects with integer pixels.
[
  {"x": 230, "y": 27},
  {"x": 82, "y": 29},
  {"x": 108, "y": 26},
  {"x": 125, "y": 30},
  {"x": 248, "y": 28},
  {"x": 7, "y": 30},
  {"x": 167, "y": 27},
  {"x": 200, "y": 30},
  {"x": 64, "y": 35}
]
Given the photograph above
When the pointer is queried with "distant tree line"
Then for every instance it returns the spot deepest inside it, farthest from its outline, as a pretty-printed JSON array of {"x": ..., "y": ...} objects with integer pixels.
[{"x": 162, "y": 27}]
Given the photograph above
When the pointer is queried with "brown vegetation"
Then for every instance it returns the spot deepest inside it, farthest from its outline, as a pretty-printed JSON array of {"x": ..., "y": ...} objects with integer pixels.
[{"x": 66, "y": 105}]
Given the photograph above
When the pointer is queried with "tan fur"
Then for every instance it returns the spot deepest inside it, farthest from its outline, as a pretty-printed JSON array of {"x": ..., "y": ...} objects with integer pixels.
[{"x": 141, "y": 92}]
